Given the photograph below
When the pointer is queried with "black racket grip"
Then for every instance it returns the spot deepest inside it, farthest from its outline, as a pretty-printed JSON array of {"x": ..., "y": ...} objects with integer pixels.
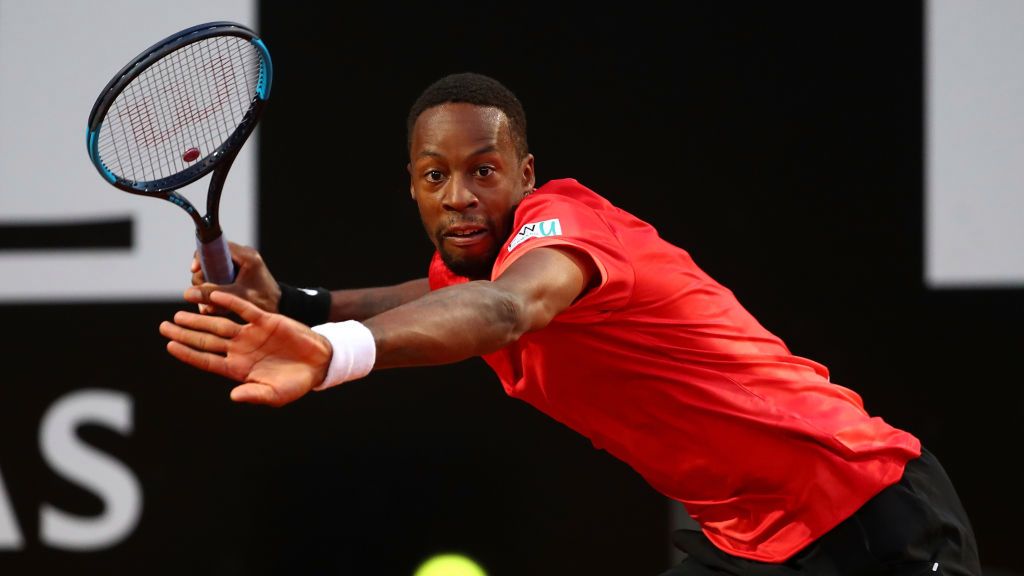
[{"x": 215, "y": 258}]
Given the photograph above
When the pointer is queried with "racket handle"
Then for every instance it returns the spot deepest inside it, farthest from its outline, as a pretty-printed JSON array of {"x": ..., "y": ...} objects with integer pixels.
[{"x": 215, "y": 258}]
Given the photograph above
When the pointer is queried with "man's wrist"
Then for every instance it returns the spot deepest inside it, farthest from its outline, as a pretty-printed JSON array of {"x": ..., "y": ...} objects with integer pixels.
[
  {"x": 353, "y": 351},
  {"x": 311, "y": 306}
]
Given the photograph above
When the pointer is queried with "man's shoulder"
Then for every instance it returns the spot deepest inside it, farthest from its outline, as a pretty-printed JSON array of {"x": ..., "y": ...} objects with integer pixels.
[
  {"x": 563, "y": 208},
  {"x": 563, "y": 187},
  {"x": 568, "y": 191}
]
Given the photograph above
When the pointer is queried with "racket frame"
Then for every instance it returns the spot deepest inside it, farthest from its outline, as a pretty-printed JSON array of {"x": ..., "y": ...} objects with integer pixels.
[{"x": 208, "y": 225}]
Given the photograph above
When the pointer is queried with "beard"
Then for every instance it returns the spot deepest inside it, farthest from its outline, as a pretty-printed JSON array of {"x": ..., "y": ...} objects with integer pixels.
[
  {"x": 478, "y": 268},
  {"x": 474, "y": 267}
]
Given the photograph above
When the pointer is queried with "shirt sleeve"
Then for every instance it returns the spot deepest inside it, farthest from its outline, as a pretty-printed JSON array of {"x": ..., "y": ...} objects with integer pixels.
[{"x": 553, "y": 220}]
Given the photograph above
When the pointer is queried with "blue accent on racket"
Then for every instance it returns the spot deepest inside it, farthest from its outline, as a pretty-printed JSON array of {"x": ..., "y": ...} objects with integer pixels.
[{"x": 266, "y": 71}]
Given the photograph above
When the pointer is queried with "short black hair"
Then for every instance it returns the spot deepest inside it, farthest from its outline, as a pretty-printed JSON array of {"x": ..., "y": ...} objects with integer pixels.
[{"x": 476, "y": 89}]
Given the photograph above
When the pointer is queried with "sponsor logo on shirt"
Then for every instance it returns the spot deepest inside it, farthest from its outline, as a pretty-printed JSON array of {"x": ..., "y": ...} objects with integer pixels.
[{"x": 536, "y": 230}]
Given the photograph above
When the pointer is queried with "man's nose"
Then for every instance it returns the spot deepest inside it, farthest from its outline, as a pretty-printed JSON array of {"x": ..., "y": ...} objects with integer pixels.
[{"x": 458, "y": 196}]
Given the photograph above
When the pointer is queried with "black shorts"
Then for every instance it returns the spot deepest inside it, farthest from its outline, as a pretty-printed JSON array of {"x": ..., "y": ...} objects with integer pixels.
[{"x": 916, "y": 526}]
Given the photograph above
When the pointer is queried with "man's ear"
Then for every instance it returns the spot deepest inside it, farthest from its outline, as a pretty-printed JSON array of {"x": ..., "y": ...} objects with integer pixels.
[
  {"x": 412, "y": 191},
  {"x": 529, "y": 177}
]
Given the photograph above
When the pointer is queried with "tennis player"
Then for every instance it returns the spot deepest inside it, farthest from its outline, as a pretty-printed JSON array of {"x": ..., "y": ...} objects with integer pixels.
[{"x": 583, "y": 311}]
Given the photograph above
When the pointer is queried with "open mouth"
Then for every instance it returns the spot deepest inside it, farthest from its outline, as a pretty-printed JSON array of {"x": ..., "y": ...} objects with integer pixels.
[{"x": 465, "y": 233}]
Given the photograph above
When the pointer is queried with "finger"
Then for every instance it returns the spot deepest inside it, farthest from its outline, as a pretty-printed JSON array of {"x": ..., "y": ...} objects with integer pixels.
[
  {"x": 196, "y": 267},
  {"x": 215, "y": 325},
  {"x": 255, "y": 394},
  {"x": 194, "y": 295},
  {"x": 203, "y": 360},
  {"x": 246, "y": 310},
  {"x": 195, "y": 339},
  {"x": 200, "y": 294},
  {"x": 244, "y": 255}
]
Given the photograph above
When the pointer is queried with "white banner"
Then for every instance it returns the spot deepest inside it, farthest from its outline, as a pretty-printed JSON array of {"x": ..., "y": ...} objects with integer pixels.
[
  {"x": 55, "y": 57},
  {"x": 975, "y": 143}
]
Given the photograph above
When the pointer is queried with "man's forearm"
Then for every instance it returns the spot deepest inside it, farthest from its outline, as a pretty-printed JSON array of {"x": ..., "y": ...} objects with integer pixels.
[
  {"x": 463, "y": 320},
  {"x": 448, "y": 325},
  {"x": 363, "y": 303}
]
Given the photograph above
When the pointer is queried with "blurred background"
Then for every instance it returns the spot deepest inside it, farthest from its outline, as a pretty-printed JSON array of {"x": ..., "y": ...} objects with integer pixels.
[{"x": 850, "y": 170}]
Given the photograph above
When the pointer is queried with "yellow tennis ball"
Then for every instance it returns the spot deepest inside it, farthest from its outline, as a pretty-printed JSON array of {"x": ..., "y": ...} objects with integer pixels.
[{"x": 450, "y": 565}]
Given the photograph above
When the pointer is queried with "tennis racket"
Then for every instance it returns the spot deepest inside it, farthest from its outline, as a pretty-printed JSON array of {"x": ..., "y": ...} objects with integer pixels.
[{"x": 178, "y": 111}]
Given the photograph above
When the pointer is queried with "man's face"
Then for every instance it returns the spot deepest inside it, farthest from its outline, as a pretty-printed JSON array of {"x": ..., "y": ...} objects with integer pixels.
[{"x": 467, "y": 180}]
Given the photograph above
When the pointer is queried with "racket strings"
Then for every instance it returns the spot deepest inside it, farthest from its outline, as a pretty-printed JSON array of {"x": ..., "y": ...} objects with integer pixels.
[{"x": 194, "y": 97}]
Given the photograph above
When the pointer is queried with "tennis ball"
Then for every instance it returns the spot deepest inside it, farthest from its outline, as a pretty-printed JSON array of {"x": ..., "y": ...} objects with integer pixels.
[{"x": 449, "y": 565}]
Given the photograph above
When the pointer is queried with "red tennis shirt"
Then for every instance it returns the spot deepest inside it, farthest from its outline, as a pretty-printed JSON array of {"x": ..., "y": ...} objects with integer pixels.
[{"x": 662, "y": 367}]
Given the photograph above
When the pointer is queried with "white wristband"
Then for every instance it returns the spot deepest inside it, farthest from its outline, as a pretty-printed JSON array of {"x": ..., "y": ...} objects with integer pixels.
[{"x": 354, "y": 351}]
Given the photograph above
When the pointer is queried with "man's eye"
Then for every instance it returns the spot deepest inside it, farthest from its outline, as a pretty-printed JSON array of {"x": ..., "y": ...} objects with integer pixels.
[
  {"x": 484, "y": 171},
  {"x": 434, "y": 176}
]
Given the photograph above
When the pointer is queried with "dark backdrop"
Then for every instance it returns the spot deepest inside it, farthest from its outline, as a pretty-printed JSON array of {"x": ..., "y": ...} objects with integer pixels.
[{"x": 781, "y": 144}]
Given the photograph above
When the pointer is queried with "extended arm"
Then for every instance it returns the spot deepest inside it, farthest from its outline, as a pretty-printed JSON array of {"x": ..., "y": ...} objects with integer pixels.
[
  {"x": 279, "y": 360},
  {"x": 256, "y": 284},
  {"x": 476, "y": 318},
  {"x": 363, "y": 303}
]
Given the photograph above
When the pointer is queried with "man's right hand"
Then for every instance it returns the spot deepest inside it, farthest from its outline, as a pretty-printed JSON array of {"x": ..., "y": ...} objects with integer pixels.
[
  {"x": 253, "y": 282},
  {"x": 276, "y": 359}
]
